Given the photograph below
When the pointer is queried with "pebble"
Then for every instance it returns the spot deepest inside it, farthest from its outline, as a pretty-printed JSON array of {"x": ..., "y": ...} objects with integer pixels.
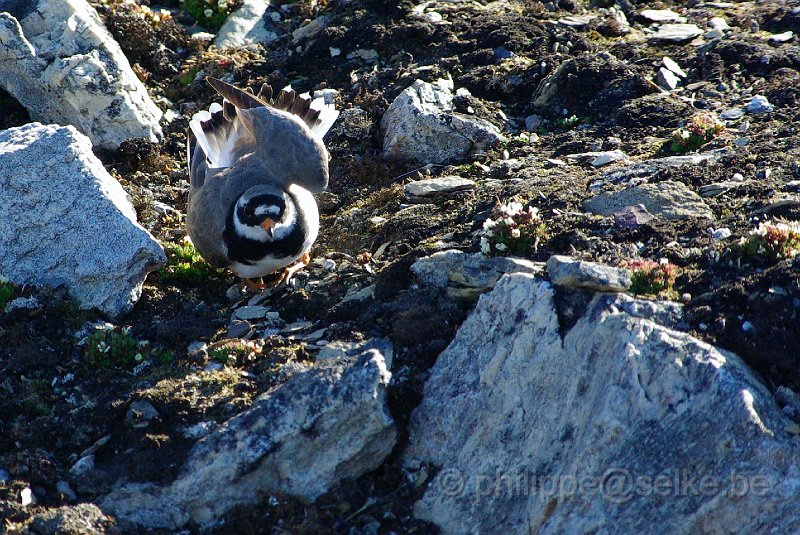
[
  {"x": 239, "y": 329},
  {"x": 759, "y": 104},
  {"x": 714, "y": 34},
  {"x": 234, "y": 293},
  {"x": 213, "y": 366},
  {"x": 532, "y": 122},
  {"x": 605, "y": 158},
  {"x": 784, "y": 37},
  {"x": 718, "y": 23},
  {"x": 720, "y": 233},
  {"x": 64, "y": 488},
  {"x": 632, "y": 216},
  {"x": 748, "y": 327},
  {"x": 140, "y": 413},
  {"x": 329, "y": 264},
  {"x": 661, "y": 15},
  {"x": 677, "y": 33},
  {"x": 427, "y": 190},
  {"x": 82, "y": 466},
  {"x": 672, "y": 66},
  {"x": 27, "y": 497},
  {"x": 742, "y": 141},
  {"x": 732, "y": 114},
  {"x": 566, "y": 271},
  {"x": 667, "y": 79},
  {"x": 196, "y": 347},
  {"x": 250, "y": 313}
]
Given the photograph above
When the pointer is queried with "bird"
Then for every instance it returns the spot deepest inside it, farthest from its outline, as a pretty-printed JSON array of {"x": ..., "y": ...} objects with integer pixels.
[{"x": 255, "y": 163}]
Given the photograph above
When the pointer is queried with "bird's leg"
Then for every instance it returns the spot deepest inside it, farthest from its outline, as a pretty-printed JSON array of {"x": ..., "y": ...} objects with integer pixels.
[
  {"x": 289, "y": 272},
  {"x": 255, "y": 285}
]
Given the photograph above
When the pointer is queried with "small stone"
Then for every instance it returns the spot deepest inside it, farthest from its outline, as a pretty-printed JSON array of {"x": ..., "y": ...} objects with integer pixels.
[
  {"x": 82, "y": 467},
  {"x": 139, "y": 414},
  {"x": 605, "y": 158},
  {"x": 661, "y": 15},
  {"x": 27, "y": 497},
  {"x": 250, "y": 313},
  {"x": 732, "y": 114},
  {"x": 741, "y": 142},
  {"x": 428, "y": 190},
  {"x": 632, "y": 216},
  {"x": 673, "y": 67},
  {"x": 240, "y": 329},
  {"x": 676, "y": 33},
  {"x": 759, "y": 104},
  {"x": 577, "y": 21},
  {"x": 784, "y": 37},
  {"x": 667, "y": 79},
  {"x": 22, "y": 303},
  {"x": 532, "y": 122},
  {"x": 329, "y": 264},
  {"x": 556, "y": 162},
  {"x": 566, "y": 271},
  {"x": 335, "y": 51},
  {"x": 738, "y": 177},
  {"x": 718, "y": 23},
  {"x": 720, "y": 233},
  {"x": 65, "y": 490},
  {"x": 213, "y": 366},
  {"x": 196, "y": 348},
  {"x": 234, "y": 293},
  {"x": 247, "y": 26},
  {"x": 714, "y": 34},
  {"x": 748, "y": 326}
]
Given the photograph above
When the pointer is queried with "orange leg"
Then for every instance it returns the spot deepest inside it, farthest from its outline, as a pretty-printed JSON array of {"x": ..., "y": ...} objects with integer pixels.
[
  {"x": 289, "y": 272},
  {"x": 255, "y": 285}
]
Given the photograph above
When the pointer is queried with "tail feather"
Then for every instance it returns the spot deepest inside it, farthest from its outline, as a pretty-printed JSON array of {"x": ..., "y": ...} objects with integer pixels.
[{"x": 222, "y": 136}]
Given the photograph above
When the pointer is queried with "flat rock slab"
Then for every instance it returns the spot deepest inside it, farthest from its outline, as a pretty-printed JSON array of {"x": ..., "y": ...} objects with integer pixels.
[
  {"x": 661, "y": 15},
  {"x": 65, "y": 221},
  {"x": 59, "y": 61},
  {"x": 430, "y": 189},
  {"x": 248, "y": 25},
  {"x": 566, "y": 271},
  {"x": 321, "y": 426},
  {"x": 668, "y": 199},
  {"x": 420, "y": 124},
  {"x": 676, "y": 33},
  {"x": 466, "y": 276},
  {"x": 642, "y": 171},
  {"x": 618, "y": 425}
]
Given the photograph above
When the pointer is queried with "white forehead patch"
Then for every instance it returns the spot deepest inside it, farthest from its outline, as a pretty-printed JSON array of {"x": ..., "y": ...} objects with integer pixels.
[{"x": 267, "y": 210}]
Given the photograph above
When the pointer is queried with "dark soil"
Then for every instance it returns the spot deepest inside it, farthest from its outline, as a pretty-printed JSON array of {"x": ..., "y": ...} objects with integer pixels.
[{"x": 54, "y": 403}]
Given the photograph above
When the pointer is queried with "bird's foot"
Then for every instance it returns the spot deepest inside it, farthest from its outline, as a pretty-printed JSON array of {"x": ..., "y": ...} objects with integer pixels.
[
  {"x": 289, "y": 272},
  {"x": 255, "y": 285}
]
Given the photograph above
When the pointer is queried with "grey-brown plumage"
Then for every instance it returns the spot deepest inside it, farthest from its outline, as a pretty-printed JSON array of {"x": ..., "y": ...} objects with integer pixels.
[{"x": 254, "y": 163}]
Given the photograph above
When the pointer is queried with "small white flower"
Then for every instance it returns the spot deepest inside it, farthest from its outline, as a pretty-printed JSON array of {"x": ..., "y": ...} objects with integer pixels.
[
  {"x": 489, "y": 223},
  {"x": 515, "y": 207},
  {"x": 489, "y": 234},
  {"x": 208, "y": 12},
  {"x": 515, "y": 233},
  {"x": 508, "y": 221},
  {"x": 663, "y": 261},
  {"x": 685, "y": 134},
  {"x": 501, "y": 247},
  {"x": 533, "y": 211}
]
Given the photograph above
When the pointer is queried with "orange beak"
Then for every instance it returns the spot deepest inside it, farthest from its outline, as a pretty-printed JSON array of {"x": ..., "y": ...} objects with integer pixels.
[{"x": 268, "y": 224}]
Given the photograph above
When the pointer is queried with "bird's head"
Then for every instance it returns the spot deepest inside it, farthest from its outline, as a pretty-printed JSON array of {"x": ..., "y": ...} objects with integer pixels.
[{"x": 261, "y": 207}]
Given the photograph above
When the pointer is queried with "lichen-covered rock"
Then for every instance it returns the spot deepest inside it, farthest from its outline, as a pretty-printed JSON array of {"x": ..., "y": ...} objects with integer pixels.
[
  {"x": 59, "y": 61},
  {"x": 668, "y": 199},
  {"x": 248, "y": 25},
  {"x": 321, "y": 426},
  {"x": 421, "y": 124},
  {"x": 616, "y": 426},
  {"x": 65, "y": 221}
]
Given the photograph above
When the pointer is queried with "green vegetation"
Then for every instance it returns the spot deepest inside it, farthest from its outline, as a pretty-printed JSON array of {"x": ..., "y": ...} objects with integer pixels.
[
  {"x": 701, "y": 129},
  {"x": 114, "y": 348},
  {"x": 651, "y": 278},
  {"x": 186, "y": 266},
  {"x": 6, "y": 292},
  {"x": 513, "y": 230},
  {"x": 235, "y": 352},
  {"x": 772, "y": 241},
  {"x": 210, "y": 14}
]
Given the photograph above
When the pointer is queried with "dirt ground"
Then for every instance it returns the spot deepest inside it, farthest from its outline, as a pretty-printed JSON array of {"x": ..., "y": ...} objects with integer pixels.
[{"x": 55, "y": 402}]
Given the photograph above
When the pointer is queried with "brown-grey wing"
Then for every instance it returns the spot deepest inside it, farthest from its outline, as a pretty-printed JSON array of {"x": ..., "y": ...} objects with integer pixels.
[{"x": 205, "y": 218}]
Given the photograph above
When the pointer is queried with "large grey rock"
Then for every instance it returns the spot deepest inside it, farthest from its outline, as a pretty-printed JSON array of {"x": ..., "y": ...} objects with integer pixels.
[
  {"x": 248, "y": 25},
  {"x": 566, "y": 271},
  {"x": 466, "y": 276},
  {"x": 620, "y": 425},
  {"x": 642, "y": 171},
  {"x": 421, "y": 124},
  {"x": 430, "y": 189},
  {"x": 321, "y": 426},
  {"x": 65, "y": 221},
  {"x": 59, "y": 61},
  {"x": 676, "y": 33},
  {"x": 668, "y": 199}
]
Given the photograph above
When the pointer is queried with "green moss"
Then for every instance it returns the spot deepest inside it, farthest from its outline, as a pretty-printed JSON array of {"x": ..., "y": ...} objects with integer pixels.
[
  {"x": 210, "y": 14},
  {"x": 117, "y": 348},
  {"x": 186, "y": 266},
  {"x": 6, "y": 293}
]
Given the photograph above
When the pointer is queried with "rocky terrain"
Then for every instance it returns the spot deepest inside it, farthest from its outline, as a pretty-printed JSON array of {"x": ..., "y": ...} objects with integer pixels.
[{"x": 558, "y": 245}]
